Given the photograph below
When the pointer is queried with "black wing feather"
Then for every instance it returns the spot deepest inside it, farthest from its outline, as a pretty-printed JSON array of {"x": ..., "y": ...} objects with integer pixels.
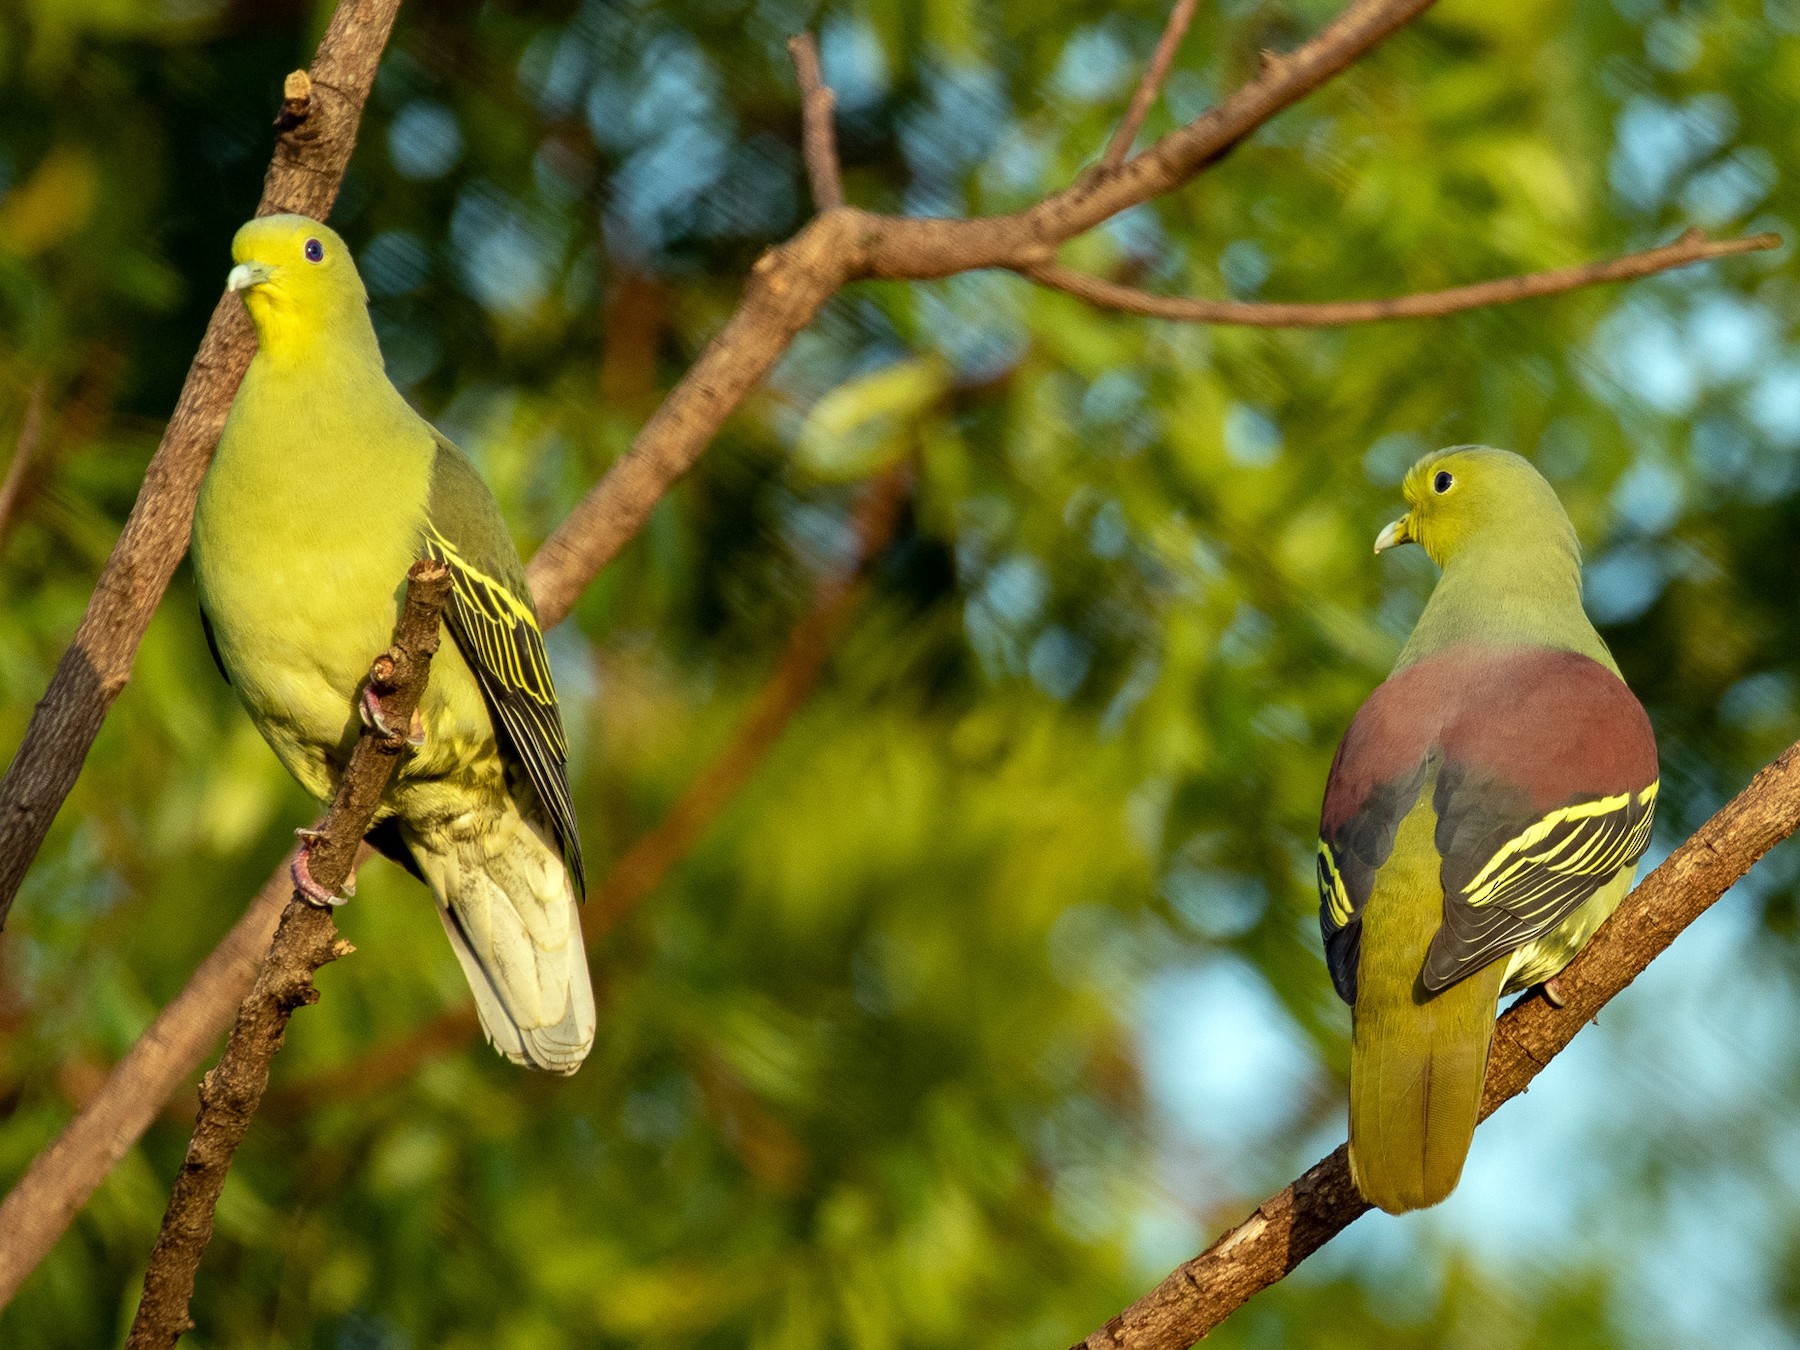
[{"x": 499, "y": 638}]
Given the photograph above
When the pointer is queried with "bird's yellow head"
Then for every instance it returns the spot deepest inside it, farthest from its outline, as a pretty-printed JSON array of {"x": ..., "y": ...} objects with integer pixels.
[
  {"x": 297, "y": 279},
  {"x": 1471, "y": 493}
]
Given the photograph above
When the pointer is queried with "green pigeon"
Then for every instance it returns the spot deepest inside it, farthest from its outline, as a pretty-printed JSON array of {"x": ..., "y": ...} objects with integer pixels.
[
  {"x": 1484, "y": 814},
  {"x": 325, "y": 488}
]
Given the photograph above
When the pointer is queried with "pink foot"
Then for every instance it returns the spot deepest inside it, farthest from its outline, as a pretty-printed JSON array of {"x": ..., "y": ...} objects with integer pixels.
[
  {"x": 1553, "y": 994},
  {"x": 311, "y": 891},
  {"x": 373, "y": 715}
]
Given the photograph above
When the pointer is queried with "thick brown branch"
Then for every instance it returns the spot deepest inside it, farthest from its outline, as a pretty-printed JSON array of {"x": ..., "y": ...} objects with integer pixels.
[
  {"x": 1290, "y": 1226},
  {"x": 25, "y": 453},
  {"x": 304, "y": 175},
  {"x": 305, "y": 940},
  {"x": 818, "y": 138},
  {"x": 1151, "y": 84},
  {"x": 1692, "y": 247}
]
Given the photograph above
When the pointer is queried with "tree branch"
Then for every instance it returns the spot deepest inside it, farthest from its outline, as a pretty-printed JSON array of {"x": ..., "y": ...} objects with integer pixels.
[
  {"x": 818, "y": 138},
  {"x": 1692, "y": 247},
  {"x": 1150, "y": 85},
  {"x": 791, "y": 282},
  {"x": 303, "y": 176},
  {"x": 1291, "y": 1225},
  {"x": 305, "y": 940}
]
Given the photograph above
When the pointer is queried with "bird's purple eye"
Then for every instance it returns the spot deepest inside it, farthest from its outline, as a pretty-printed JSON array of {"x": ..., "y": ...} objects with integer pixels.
[
  {"x": 315, "y": 252},
  {"x": 1442, "y": 482}
]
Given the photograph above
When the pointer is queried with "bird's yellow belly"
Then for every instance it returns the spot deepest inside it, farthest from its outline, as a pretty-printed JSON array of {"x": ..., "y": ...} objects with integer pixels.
[{"x": 298, "y": 627}]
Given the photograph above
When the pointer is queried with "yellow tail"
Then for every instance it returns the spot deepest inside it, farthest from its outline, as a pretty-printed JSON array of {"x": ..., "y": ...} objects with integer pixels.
[{"x": 1417, "y": 1060}]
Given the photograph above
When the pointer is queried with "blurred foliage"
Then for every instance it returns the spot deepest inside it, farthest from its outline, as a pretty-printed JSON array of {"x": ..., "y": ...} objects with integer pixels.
[{"x": 998, "y": 991}]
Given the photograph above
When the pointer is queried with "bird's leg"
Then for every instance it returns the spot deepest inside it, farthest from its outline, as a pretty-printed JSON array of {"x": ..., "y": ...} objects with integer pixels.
[
  {"x": 1553, "y": 994},
  {"x": 311, "y": 891},
  {"x": 373, "y": 715}
]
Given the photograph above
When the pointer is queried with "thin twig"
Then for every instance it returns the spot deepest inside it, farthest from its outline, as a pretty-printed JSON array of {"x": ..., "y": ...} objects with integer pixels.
[
  {"x": 304, "y": 174},
  {"x": 1151, "y": 84},
  {"x": 1291, "y": 1225},
  {"x": 641, "y": 869},
  {"x": 818, "y": 138},
  {"x": 1692, "y": 247},
  {"x": 25, "y": 453},
  {"x": 305, "y": 940}
]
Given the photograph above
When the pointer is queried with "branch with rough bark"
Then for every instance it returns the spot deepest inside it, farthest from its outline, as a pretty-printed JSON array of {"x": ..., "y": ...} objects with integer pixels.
[
  {"x": 305, "y": 940},
  {"x": 1693, "y": 247},
  {"x": 308, "y": 165},
  {"x": 785, "y": 290},
  {"x": 1290, "y": 1226}
]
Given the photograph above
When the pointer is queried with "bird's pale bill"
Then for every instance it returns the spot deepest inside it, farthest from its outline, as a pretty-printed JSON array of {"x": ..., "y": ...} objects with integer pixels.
[{"x": 248, "y": 274}]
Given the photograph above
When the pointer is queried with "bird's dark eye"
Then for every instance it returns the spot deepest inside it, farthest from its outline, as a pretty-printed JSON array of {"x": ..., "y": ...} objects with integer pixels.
[
  {"x": 315, "y": 252},
  {"x": 1442, "y": 482}
]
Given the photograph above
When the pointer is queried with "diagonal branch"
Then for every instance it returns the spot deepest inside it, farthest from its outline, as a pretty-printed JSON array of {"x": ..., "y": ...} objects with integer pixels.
[
  {"x": 305, "y": 940},
  {"x": 304, "y": 175},
  {"x": 1290, "y": 1226},
  {"x": 1692, "y": 247},
  {"x": 817, "y": 135},
  {"x": 1151, "y": 84}
]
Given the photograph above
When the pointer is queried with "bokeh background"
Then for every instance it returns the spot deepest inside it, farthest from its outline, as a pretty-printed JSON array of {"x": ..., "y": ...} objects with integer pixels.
[{"x": 996, "y": 990}]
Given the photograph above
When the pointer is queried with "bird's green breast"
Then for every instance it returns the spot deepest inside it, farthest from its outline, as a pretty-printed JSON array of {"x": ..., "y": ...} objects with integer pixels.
[{"x": 307, "y": 522}]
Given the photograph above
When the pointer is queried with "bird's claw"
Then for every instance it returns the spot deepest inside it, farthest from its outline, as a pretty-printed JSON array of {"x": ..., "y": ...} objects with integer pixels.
[
  {"x": 1553, "y": 994},
  {"x": 311, "y": 891},
  {"x": 374, "y": 715}
]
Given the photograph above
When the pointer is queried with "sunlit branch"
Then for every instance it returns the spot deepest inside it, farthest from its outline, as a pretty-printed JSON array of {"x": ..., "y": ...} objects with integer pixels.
[
  {"x": 304, "y": 175},
  {"x": 818, "y": 138},
  {"x": 1692, "y": 247}
]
